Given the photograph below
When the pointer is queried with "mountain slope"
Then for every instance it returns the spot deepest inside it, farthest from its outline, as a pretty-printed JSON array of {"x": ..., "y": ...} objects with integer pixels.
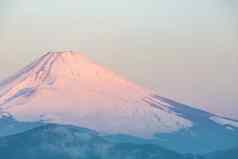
[
  {"x": 10, "y": 126},
  {"x": 68, "y": 142},
  {"x": 206, "y": 135},
  {"x": 225, "y": 154},
  {"x": 68, "y": 88}
]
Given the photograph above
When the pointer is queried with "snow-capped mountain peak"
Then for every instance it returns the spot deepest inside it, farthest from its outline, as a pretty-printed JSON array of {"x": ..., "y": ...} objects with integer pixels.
[{"x": 66, "y": 87}]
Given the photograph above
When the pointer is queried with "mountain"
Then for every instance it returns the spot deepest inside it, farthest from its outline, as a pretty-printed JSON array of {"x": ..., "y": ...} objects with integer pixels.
[
  {"x": 68, "y": 88},
  {"x": 68, "y": 142},
  {"x": 225, "y": 154},
  {"x": 10, "y": 126}
]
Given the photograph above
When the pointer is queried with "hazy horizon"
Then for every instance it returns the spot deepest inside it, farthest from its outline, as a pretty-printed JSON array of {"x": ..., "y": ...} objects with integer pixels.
[{"x": 186, "y": 50}]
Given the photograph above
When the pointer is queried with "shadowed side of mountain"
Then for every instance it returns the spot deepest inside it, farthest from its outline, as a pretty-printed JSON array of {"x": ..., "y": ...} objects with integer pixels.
[{"x": 204, "y": 136}]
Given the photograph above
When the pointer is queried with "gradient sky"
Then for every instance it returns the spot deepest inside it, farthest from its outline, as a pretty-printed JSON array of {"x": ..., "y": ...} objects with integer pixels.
[{"x": 184, "y": 49}]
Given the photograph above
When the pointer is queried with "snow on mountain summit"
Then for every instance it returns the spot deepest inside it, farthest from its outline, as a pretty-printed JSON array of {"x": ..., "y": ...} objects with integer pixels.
[{"x": 68, "y": 88}]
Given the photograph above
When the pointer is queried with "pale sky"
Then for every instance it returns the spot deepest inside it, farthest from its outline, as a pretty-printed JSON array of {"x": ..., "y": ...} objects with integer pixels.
[{"x": 186, "y": 50}]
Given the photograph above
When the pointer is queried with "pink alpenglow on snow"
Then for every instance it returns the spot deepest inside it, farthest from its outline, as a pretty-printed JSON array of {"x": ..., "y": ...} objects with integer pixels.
[{"x": 68, "y": 88}]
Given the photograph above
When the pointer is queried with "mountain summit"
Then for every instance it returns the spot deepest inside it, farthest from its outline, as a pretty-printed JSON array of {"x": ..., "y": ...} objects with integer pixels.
[{"x": 66, "y": 87}]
